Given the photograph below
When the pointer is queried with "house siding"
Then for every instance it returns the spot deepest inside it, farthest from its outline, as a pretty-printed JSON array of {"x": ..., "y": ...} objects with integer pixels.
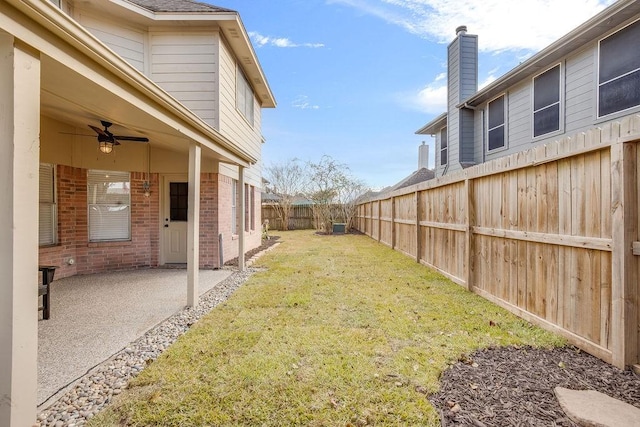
[
  {"x": 580, "y": 104},
  {"x": 233, "y": 124},
  {"x": 127, "y": 42},
  {"x": 186, "y": 65}
]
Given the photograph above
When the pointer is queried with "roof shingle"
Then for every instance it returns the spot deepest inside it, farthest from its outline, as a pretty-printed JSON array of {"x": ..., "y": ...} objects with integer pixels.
[{"x": 179, "y": 6}]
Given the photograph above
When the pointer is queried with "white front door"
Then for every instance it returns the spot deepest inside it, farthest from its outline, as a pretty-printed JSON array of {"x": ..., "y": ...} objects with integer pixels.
[{"x": 174, "y": 218}]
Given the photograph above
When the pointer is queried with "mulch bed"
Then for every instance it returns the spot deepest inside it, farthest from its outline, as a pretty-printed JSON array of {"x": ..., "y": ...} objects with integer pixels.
[
  {"x": 266, "y": 243},
  {"x": 514, "y": 386}
]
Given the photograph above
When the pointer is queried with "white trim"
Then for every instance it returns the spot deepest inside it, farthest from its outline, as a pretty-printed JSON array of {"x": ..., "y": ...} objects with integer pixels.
[
  {"x": 560, "y": 102},
  {"x": 504, "y": 124}
]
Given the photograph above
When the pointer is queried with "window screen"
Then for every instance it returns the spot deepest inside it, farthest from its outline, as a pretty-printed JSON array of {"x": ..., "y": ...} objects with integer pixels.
[
  {"x": 619, "y": 71},
  {"x": 244, "y": 97},
  {"x": 496, "y": 137},
  {"x": 546, "y": 102},
  {"x": 444, "y": 155}
]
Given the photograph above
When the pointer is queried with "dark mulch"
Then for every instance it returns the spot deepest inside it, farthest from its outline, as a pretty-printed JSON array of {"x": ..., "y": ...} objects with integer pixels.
[
  {"x": 514, "y": 386},
  {"x": 266, "y": 243}
]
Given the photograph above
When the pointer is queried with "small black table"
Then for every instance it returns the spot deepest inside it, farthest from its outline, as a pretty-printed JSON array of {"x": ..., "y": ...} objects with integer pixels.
[{"x": 44, "y": 289}]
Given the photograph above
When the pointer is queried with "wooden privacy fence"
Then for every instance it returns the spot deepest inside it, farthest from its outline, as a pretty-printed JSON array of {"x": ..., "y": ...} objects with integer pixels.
[
  {"x": 551, "y": 234},
  {"x": 301, "y": 218}
]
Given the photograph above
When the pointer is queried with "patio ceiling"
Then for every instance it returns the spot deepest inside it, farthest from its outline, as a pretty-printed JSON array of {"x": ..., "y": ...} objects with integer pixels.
[{"x": 84, "y": 82}]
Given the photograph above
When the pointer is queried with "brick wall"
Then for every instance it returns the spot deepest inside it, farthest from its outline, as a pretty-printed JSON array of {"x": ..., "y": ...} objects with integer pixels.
[
  {"x": 94, "y": 257},
  {"x": 143, "y": 250}
]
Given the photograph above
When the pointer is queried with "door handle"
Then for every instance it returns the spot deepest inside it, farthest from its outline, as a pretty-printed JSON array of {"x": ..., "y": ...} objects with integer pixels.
[{"x": 166, "y": 225}]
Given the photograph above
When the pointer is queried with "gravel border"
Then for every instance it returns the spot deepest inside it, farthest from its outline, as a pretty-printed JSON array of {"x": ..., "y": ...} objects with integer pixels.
[{"x": 96, "y": 388}]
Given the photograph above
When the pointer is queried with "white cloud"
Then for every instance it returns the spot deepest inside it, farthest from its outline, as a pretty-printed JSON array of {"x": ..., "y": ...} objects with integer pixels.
[
  {"x": 261, "y": 40},
  {"x": 431, "y": 99},
  {"x": 302, "y": 103},
  {"x": 501, "y": 25}
]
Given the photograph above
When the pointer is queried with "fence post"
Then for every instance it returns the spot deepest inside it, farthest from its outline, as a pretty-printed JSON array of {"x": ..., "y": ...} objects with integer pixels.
[
  {"x": 418, "y": 235},
  {"x": 624, "y": 271},
  {"x": 379, "y": 219},
  {"x": 470, "y": 221},
  {"x": 393, "y": 225}
]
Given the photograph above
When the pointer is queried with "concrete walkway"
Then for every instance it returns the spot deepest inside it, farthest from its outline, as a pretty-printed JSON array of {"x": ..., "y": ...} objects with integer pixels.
[{"x": 95, "y": 316}]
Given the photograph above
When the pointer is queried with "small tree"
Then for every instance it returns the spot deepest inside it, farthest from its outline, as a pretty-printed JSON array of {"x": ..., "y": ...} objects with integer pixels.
[
  {"x": 286, "y": 181},
  {"x": 325, "y": 181},
  {"x": 349, "y": 193}
]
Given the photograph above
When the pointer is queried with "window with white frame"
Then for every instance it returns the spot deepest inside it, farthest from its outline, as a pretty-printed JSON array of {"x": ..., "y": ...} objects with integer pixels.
[
  {"x": 444, "y": 149},
  {"x": 619, "y": 71},
  {"x": 234, "y": 212},
  {"x": 496, "y": 124},
  {"x": 546, "y": 102},
  {"x": 48, "y": 211},
  {"x": 109, "y": 205},
  {"x": 244, "y": 97}
]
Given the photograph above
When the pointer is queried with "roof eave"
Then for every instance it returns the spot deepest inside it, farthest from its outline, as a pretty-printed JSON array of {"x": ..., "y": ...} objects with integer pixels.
[
  {"x": 598, "y": 25},
  {"x": 433, "y": 126}
]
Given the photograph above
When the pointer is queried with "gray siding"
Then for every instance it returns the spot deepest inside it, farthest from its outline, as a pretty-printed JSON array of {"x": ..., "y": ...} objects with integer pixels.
[
  {"x": 580, "y": 104},
  {"x": 466, "y": 136}
]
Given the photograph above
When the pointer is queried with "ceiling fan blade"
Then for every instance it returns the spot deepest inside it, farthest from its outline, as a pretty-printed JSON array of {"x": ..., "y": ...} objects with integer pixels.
[
  {"x": 131, "y": 138},
  {"x": 99, "y": 131}
]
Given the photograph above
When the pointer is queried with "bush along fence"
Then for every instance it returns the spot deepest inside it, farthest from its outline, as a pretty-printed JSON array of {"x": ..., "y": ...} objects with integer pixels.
[{"x": 551, "y": 234}]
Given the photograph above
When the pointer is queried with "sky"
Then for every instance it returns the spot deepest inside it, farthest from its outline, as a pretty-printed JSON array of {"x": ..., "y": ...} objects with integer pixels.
[{"x": 355, "y": 79}]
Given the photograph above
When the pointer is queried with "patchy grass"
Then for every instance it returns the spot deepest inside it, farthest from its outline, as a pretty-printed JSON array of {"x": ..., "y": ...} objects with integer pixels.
[{"x": 339, "y": 330}]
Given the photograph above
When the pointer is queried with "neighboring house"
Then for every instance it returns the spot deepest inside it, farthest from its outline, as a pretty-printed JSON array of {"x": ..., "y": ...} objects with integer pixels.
[
  {"x": 423, "y": 173},
  {"x": 180, "y": 81},
  {"x": 587, "y": 78}
]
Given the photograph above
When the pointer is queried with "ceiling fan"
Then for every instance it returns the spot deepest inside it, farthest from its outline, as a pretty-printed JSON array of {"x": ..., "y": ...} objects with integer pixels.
[{"x": 107, "y": 140}]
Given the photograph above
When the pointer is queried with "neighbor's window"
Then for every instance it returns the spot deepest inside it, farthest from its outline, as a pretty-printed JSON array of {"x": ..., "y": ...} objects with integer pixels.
[
  {"x": 244, "y": 97},
  {"x": 252, "y": 208},
  {"x": 109, "y": 205},
  {"x": 546, "y": 102},
  {"x": 619, "y": 71},
  {"x": 247, "y": 213},
  {"x": 47, "y": 221},
  {"x": 496, "y": 124},
  {"x": 444, "y": 152},
  {"x": 234, "y": 212}
]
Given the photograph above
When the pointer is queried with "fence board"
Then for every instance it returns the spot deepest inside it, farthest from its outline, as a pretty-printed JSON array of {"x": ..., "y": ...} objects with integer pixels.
[{"x": 534, "y": 232}]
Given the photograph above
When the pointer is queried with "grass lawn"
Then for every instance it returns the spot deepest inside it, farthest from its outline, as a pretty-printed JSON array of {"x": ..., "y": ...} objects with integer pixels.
[{"x": 338, "y": 331}]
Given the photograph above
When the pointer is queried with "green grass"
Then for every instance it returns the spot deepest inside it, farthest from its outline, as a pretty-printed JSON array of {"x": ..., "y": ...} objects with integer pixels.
[{"x": 338, "y": 331}]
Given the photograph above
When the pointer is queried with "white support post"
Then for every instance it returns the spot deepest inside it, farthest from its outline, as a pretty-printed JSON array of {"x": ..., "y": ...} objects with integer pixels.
[
  {"x": 193, "y": 228},
  {"x": 241, "y": 234},
  {"x": 19, "y": 178}
]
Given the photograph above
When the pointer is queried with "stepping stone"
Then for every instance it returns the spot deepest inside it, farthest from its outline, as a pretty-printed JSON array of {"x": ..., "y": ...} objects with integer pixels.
[{"x": 590, "y": 408}]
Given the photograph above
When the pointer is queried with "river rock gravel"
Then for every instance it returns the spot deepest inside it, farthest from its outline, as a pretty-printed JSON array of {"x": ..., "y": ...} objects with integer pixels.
[{"x": 95, "y": 390}]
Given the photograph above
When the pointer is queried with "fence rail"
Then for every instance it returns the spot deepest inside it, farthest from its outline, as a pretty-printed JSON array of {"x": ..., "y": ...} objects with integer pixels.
[
  {"x": 301, "y": 218},
  {"x": 549, "y": 234}
]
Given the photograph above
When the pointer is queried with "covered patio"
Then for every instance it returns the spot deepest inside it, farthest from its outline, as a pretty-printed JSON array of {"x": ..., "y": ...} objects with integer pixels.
[{"x": 95, "y": 316}]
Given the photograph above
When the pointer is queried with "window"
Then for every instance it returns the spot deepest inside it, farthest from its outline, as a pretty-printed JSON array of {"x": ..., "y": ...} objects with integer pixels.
[
  {"x": 252, "y": 208},
  {"x": 234, "y": 199},
  {"x": 47, "y": 226},
  {"x": 496, "y": 122},
  {"x": 247, "y": 213},
  {"x": 178, "y": 205},
  {"x": 109, "y": 205},
  {"x": 444, "y": 155},
  {"x": 546, "y": 102},
  {"x": 619, "y": 71},
  {"x": 244, "y": 97}
]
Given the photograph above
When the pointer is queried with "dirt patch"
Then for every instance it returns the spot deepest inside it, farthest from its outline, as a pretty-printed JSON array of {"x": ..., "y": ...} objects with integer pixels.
[
  {"x": 266, "y": 243},
  {"x": 514, "y": 386}
]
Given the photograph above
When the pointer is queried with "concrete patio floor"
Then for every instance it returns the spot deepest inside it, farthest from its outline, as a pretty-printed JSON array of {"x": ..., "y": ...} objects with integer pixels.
[{"x": 95, "y": 316}]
